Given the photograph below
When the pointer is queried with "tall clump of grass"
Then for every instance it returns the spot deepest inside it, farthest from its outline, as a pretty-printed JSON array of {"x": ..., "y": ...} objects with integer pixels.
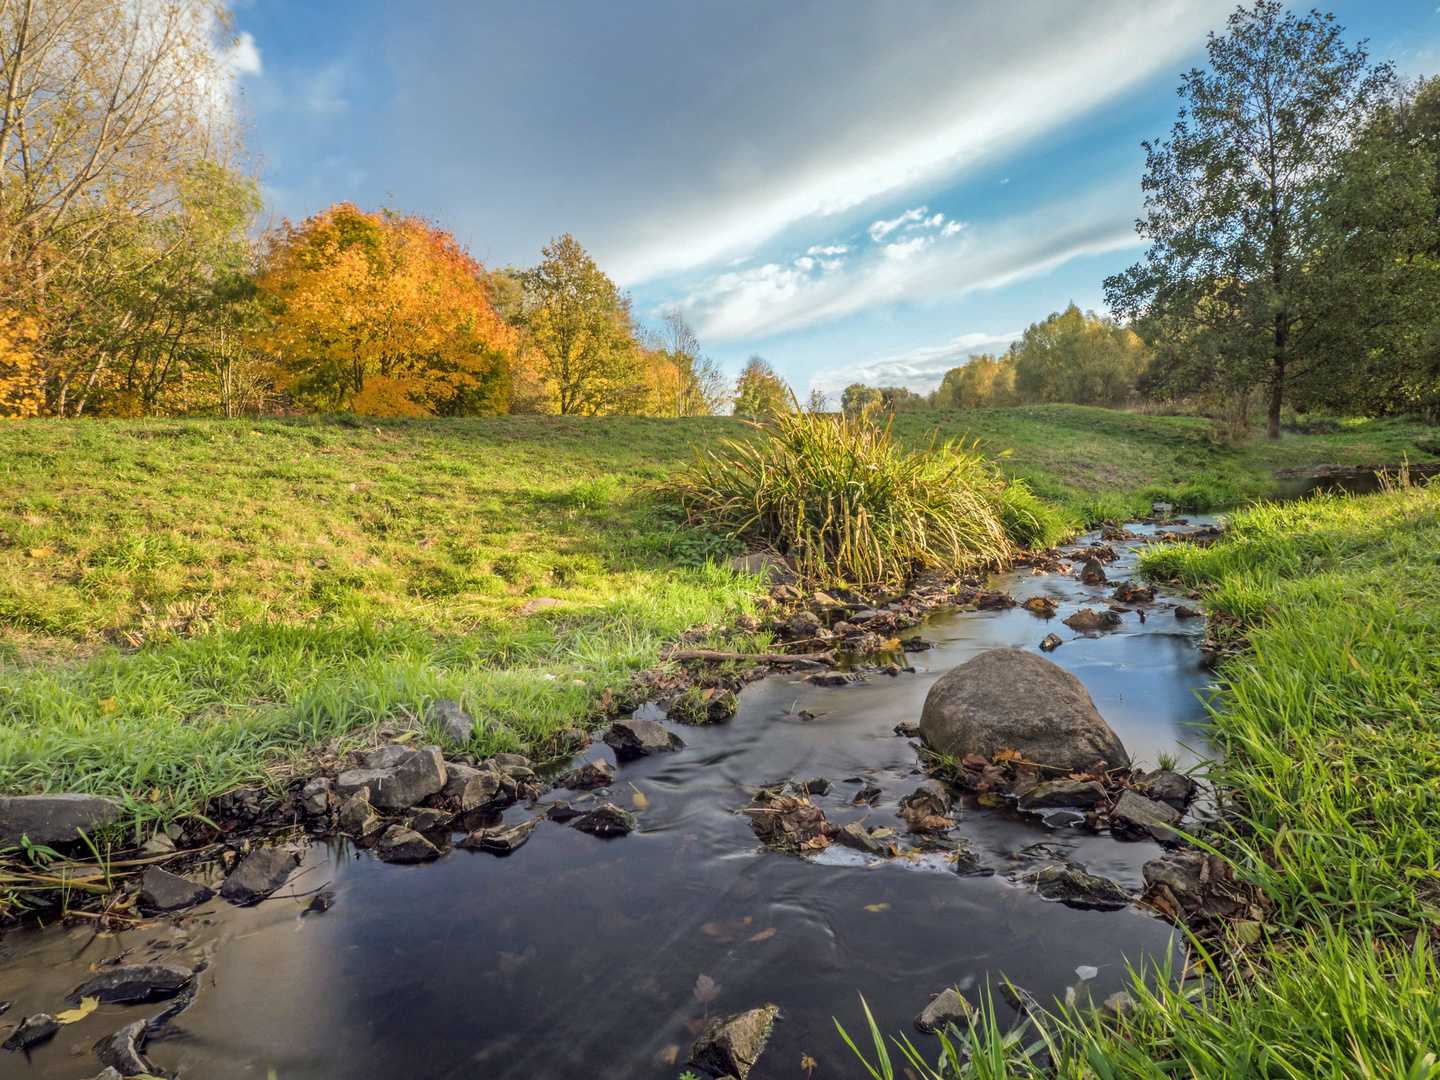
[{"x": 842, "y": 499}]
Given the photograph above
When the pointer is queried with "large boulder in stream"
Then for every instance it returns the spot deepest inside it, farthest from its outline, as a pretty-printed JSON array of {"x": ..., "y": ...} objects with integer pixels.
[{"x": 1009, "y": 699}]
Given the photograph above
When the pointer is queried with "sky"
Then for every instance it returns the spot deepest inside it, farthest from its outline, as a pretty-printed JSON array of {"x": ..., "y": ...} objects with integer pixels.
[{"x": 857, "y": 191}]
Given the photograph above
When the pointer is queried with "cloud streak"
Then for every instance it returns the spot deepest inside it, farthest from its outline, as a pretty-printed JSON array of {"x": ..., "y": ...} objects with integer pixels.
[
  {"x": 920, "y": 368},
  {"x": 928, "y": 265}
]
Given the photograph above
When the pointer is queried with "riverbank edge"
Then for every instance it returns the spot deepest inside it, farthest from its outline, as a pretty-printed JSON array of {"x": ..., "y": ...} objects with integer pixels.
[{"x": 1324, "y": 614}]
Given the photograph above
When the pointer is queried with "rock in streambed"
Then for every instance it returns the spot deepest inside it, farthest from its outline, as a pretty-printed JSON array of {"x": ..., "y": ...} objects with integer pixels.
[{"x": 1008, "y": 699}]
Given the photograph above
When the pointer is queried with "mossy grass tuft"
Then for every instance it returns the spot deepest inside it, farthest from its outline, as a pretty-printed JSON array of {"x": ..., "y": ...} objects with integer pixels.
[{"x": 844, "y": 500}]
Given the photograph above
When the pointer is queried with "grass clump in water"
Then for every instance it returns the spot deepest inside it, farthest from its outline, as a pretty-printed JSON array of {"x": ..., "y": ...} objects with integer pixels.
[{"x": 842, "y": 499}]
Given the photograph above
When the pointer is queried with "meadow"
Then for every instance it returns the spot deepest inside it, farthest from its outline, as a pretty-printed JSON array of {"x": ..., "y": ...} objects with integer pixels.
[{"x": 186, "y": 603}]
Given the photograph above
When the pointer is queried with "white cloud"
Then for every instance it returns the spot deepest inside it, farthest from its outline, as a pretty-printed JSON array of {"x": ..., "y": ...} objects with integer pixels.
[
  {"x": 922, "y": 268},
  {"x": 1068, "y": 62},
  {"x": 243, "y": 57},
  {"x": 828, "y": 249},
  {"x": 882, "y": 229},
  {"x": 903, "y": 249},
  {"x": 951, "y": 228},
  {"x": 920, "y": 368}
]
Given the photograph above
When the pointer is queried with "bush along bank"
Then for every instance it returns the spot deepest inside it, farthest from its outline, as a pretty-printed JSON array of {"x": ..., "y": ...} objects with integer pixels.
[{"x": 1325, "y": 613}]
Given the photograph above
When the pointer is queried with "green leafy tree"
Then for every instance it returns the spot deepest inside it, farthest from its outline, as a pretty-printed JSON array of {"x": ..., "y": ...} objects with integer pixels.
[
  {"x": 1376, "y": 261},
  {"x": 573, "y": 315},
  {"x": 856, "y": 397},
  {"x": 1077, "y": 357},
  {"x": 1228, "y": 200},
  {"x": 759, "y": 391}
]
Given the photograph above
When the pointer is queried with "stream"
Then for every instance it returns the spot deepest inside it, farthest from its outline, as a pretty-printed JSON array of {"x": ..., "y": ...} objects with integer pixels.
[{"x": 579, "y": 957}]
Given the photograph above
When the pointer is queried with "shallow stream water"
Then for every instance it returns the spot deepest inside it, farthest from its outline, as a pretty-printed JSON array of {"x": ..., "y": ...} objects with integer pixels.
[{"x": 578, "y": 957}]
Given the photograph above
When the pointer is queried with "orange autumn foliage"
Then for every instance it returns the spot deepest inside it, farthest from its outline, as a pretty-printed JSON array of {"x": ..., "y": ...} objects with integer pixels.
[{"x": 383, "y": 315}]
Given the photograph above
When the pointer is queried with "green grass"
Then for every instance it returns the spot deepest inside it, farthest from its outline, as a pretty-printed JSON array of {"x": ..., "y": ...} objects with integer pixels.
[
  {"x": 844, "y": 501},
  {"x": 206, "y": 598},
  {"x": 1329, "y": 727},
  {"x": 1098, "y": 464}
]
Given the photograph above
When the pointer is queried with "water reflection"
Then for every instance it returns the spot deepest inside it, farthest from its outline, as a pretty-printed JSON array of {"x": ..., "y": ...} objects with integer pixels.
[{"x": 579, "y": 957}]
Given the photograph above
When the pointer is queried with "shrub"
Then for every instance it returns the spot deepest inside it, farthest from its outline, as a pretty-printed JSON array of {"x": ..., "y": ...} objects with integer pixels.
[{"x": 843, "y": 500}]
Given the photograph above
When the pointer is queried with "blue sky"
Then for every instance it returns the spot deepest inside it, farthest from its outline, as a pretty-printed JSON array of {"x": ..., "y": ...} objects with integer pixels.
[{"x": 858, "y": 191}]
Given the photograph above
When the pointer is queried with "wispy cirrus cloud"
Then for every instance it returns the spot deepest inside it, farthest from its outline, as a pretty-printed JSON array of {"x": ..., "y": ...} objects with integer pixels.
[{"x": 926, "y": 262}]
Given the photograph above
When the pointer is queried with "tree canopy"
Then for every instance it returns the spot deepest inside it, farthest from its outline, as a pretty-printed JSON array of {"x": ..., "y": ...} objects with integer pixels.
[
  {"x": 384, "y": 315},
  {"x": 1234, "y": 205}
]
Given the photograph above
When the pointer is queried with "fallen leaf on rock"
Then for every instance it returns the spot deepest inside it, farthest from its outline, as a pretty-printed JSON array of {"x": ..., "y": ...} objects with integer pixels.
[
  {"x": 765, "y": 935},
  {"x": 991, "y": 799},
  {"x": 668, "y": 1055},
  {"x": 877, "y": 907},
  {"x": 87, "y": 1006}
]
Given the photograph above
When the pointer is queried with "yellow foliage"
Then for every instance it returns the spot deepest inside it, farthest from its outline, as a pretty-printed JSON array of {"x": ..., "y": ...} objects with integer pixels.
[{"x": 22, "y": 377}]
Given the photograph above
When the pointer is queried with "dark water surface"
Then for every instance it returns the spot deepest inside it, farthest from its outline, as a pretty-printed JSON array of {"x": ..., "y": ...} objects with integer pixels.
[{"x": 577, "y": 957}]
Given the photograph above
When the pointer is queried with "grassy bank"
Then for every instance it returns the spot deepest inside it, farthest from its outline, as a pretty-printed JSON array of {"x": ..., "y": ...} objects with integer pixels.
[
  {"x": 184, "y": 601},
  {"x": 1329, "y": 723},
  {"x": 1099, "y": 464}
]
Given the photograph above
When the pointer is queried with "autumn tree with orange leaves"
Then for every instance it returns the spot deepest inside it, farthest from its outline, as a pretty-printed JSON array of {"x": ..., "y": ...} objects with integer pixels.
[{"x": 384, "y": 315}]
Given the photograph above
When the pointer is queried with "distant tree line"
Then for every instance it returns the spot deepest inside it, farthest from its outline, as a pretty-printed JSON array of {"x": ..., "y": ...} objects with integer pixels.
[
  {"x": 1293, "y": 220},
  {"x": 1073, "y": 356}
]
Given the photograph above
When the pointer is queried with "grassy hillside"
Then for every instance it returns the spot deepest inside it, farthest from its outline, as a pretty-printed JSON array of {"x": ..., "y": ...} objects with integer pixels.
[{"x": 182, "y": 600}]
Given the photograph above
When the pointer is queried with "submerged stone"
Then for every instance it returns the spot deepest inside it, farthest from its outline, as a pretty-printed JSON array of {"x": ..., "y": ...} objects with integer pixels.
[
  {"x": 1137, "y": 814},
  {"x": 1063, "y": 794},
  {"x": 591, "y": 775},
  {"x": 401, "y": 845},
  {"x": 632, "y": 738},
  {"x": 161, "y": 890},
  {"x": 1077, "y": 889},
  {"x": 134, "y": 982},
  {"x": 731, "y": 1045},
  {"x": 121, "y": 1051},
  {"x": 33, "y": 1030},
  {"x": 605, "y": 820},
  {"x": 855, "y": 836},
  {"x": 262, "y": 872},
  {"x": 947, "y": 1008},
  {"x": 501, "y": 841}
]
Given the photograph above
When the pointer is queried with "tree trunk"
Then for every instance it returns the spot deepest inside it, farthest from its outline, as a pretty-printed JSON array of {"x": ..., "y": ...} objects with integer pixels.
[{"x": 1277, "y": 377}]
